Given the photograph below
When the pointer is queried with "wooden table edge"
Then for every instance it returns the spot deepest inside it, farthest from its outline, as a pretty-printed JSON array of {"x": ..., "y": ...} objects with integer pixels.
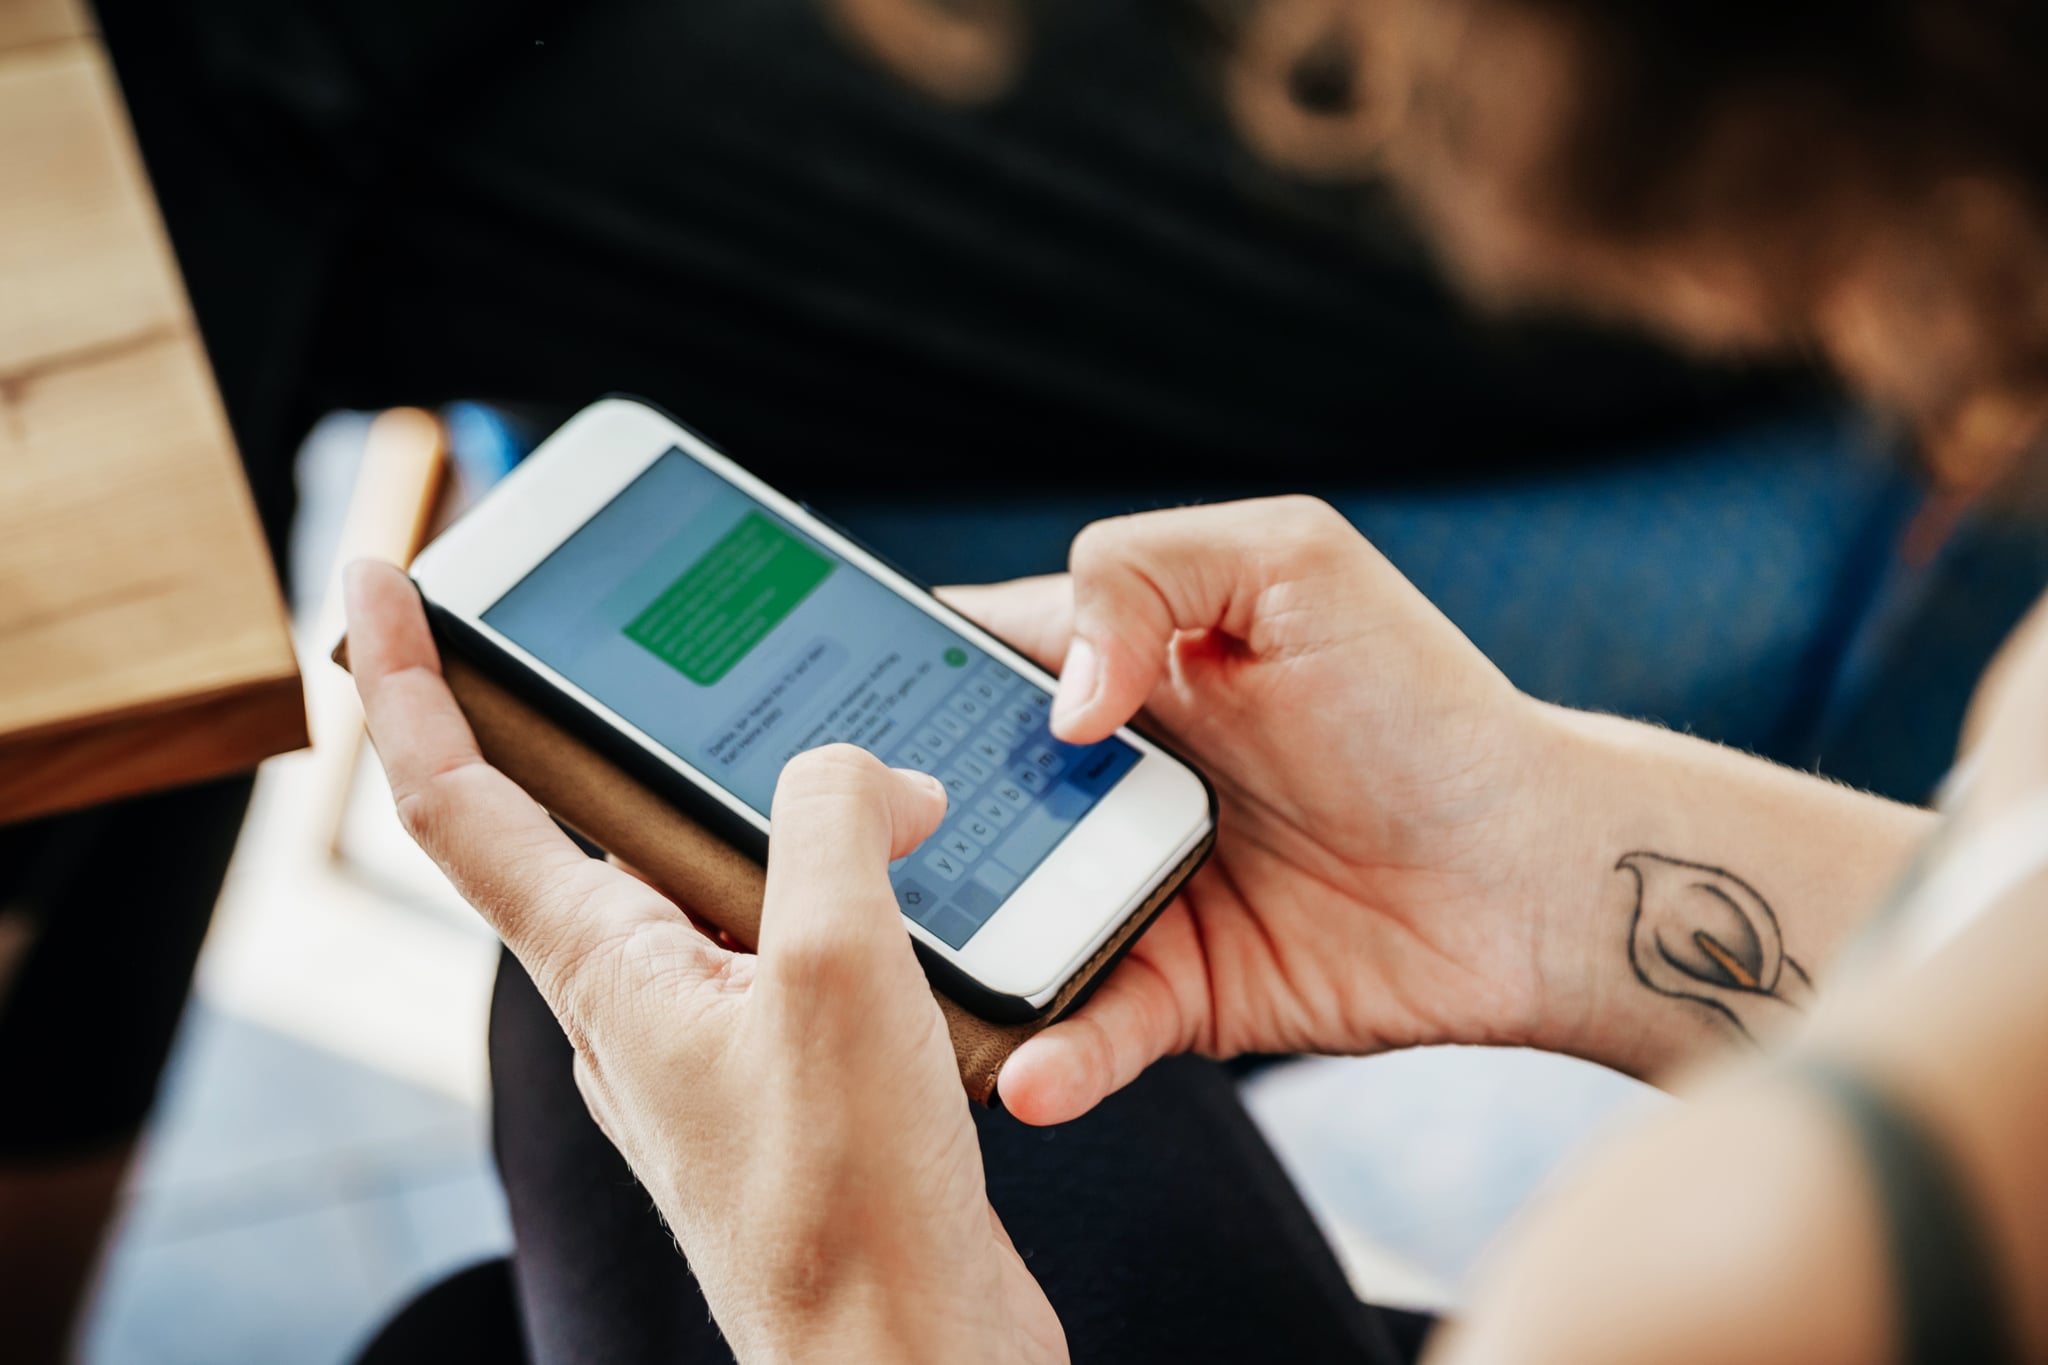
[{"x": 205, "y": 737}]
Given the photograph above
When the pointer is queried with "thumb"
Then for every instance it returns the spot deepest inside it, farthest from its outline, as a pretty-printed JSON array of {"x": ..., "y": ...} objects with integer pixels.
[
  {"x": 1140, "y": 581},
  {"x": 830, "y": 920}
]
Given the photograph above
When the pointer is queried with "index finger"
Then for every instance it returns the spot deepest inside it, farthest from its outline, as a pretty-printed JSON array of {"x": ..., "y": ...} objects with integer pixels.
[
  {"x": 1034, "y": 616},
  {"x": 1142, "y": 580},
  {"x": 495, "y": 843}
]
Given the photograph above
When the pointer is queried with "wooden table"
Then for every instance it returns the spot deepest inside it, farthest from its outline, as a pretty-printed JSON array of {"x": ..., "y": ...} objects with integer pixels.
[{"x": 143, "y": 640}]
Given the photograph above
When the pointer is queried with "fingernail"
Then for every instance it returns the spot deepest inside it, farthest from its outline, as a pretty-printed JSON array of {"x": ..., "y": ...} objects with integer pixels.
[{"x": 1080, "y": 680}]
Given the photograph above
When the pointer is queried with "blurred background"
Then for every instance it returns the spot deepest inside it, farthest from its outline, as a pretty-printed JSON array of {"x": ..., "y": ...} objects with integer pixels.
[{"x": 964, "y": 307}]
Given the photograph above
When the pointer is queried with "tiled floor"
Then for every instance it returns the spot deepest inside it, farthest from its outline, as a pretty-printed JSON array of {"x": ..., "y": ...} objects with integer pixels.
[
  {"x": 1413, "y": 1161},
  {"x": 287, "y": 1202}
]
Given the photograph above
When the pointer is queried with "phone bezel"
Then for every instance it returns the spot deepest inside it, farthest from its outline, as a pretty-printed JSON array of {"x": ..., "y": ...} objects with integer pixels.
[{"x": 1044, "y": 932}]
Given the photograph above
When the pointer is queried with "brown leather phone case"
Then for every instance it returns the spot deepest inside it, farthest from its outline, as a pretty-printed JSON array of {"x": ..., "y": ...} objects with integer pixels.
[{"x": 720, "y": 885}]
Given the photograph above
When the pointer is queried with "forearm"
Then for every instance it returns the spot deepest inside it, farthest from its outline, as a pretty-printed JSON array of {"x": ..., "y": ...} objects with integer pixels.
[
  {"x": 1761, "y": 1204},
  {"x": 1693, "y": 893}
]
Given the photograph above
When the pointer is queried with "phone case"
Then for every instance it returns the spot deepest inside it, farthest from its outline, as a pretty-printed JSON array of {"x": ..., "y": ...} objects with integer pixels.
[{"x": 721, "y": 885}]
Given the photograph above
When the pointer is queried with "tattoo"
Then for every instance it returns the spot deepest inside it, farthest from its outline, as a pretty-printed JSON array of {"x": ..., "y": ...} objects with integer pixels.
[{"x": 1704, "y": 935}]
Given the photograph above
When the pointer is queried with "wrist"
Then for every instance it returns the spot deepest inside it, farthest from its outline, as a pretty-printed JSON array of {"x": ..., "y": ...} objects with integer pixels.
[
  {"x": 849, "y": 1329},
  {"x": 1799, "y": 860},
  {"x": 1617, "y": 789},
  {"x": 863, "y": 1314},
  {"x": 1587, "y": 801},
  {"x": 825, "y": 1317}
]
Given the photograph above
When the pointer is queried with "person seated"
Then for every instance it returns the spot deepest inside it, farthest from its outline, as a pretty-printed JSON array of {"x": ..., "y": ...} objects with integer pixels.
[
  {"x": 776, "y": 218},
  {"x": 1411, "y": 851}
]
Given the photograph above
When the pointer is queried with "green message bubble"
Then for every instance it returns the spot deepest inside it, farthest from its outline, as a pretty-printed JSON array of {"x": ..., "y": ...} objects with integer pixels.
[{"x": 707, "y": 620}]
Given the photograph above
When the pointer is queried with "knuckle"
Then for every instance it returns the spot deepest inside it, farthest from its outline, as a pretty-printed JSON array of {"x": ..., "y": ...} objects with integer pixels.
[
  {"x": 1310, "y": 518},
  {"x": 426, "y": 813},
  {"x": 430, "y": 808},
  {"x": 1311, "y": 536},
  {"x": 1099, "y": 546}
]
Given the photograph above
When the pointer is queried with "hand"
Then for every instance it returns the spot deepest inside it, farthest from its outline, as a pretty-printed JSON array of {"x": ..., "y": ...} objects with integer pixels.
[
  {"x": 797, "y": 1115},
  {"x": 1367, "y": 889}
]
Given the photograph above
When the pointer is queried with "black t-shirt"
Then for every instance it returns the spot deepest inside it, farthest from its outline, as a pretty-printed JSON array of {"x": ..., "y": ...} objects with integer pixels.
[{"x": 717, "y": 205}]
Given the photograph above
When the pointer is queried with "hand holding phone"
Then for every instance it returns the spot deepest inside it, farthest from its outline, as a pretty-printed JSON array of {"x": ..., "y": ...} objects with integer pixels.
[
  {"x": 1366, "y": 891},
  {"x": 833, "y": 1012},
  {"x": 700, "y": 630}
]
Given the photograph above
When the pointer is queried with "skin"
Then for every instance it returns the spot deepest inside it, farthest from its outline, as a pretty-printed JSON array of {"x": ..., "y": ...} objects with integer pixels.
[
  {"x": 1411, "y": 852},
  {"x": 797, "y": 1114},
  {"x": 1383, "y": 877},
  {"x": 1742, "y": 1227}
]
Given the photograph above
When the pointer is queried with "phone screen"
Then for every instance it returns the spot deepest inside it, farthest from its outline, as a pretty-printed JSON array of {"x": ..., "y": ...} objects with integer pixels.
[{"x": 737, "y": 641}]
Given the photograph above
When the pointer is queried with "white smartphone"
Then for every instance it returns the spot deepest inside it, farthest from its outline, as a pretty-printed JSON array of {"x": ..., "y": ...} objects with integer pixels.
[{"x": 703, "y": 629}]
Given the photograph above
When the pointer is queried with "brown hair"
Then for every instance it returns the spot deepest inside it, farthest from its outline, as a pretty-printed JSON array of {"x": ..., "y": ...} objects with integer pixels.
[{"x": 1866, "y": 178}]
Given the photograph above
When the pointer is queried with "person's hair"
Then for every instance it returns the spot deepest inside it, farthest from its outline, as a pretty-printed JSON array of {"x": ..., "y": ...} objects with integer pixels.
[{"x": 1868, "y": 178}]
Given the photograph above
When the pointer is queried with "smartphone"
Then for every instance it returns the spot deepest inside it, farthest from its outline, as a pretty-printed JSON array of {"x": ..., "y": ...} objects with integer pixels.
[{"x": 702, "y": 629}]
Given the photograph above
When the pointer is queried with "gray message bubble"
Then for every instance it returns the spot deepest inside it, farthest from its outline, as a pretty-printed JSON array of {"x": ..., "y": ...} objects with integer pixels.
[
  {"x": 867, "y": 714},
  {"x": 813, "y": 667}
]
